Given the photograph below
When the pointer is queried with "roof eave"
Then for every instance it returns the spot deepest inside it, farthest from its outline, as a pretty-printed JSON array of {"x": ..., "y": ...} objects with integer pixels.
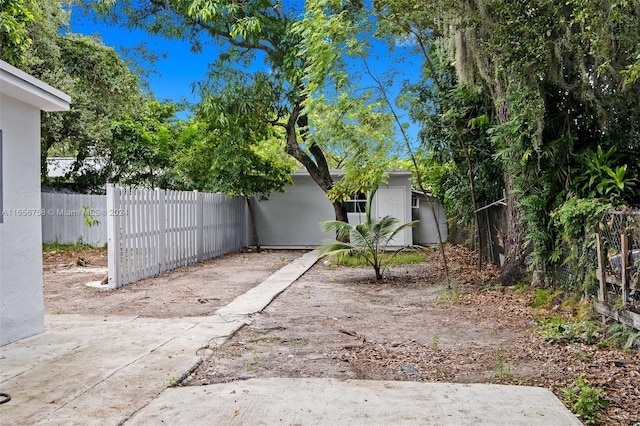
[{"x": 19, "y": 85}]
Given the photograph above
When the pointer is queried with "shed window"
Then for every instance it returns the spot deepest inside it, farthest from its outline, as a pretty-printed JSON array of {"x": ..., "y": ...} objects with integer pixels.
[
  {"x": 415, "y": 202},
  {"x": 357, "y": 203}
]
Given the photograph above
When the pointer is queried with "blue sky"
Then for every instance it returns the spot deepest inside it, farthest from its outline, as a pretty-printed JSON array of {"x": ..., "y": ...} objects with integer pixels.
[
  {"x": 180, "y": 68},
  {"x": 175, "y": 73}
]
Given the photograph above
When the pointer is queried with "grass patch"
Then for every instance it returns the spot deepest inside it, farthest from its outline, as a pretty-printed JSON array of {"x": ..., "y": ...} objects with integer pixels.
[
  {"x": 451, "y": 294},
  {"x": 501, "y": 369},
  {"x": 251, "y": 365},
  {"x": 435, "y": 341},
  {"x": 403, "y": 258},
  {"x": 544, "y": 297},
  {"x": 556, "y": 329},
  {"x": 65, "y": 248},
  {"x": 173, "y": 382},
  {"x": 264, "y": 338}
]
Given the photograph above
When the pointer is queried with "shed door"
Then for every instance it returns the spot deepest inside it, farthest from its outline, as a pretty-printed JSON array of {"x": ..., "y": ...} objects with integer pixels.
[{"x": 392, "y": 202}]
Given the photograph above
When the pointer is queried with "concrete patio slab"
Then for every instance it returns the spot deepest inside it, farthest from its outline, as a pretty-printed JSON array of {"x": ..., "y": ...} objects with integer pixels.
[
  {"x": 100, "y": 370},
  {"x": 113, "y": 370},
  {"x": 354, "y": 402}
]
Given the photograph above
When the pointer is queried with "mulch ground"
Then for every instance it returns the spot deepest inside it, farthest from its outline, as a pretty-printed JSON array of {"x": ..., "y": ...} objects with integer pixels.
[{"x": 339, "y": 322}]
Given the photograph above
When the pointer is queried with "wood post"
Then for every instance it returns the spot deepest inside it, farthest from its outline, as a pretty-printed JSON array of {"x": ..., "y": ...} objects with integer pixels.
[
  {"x": 603, "y": 295},
  {"x": 624, "y": 252},
  {"x": 113, "y": 237},
  {"x": 162, "y": 230}
]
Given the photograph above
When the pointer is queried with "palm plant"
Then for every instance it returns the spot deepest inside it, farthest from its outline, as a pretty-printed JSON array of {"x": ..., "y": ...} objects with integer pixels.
[
  {"x": 602, "y": 177},
  {"x": 370, "y": 239}
]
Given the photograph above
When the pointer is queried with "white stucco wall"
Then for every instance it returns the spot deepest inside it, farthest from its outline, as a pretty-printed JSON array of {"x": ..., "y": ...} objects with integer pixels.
[
  {"x": 291, "y": 219},
  {"x": 21, "y": 299},
  {"x": 426, "y": 232}
]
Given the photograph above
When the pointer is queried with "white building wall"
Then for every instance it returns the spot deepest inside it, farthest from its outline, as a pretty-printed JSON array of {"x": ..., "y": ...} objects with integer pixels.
[
  {"x": 394, "y": 199},
  {"x": 426, "y": 232},
  {"x": 291, "y": 219},
  {"x": 21, "y": 298},
  {"x": 22, "y": 97}
]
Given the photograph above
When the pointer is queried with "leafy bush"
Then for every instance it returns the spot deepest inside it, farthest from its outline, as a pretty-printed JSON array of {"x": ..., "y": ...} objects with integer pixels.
[
  {"x": 584, "y": 400},
  {"x": 560, "y": 330},
  {"x": 603, "y": 175},
  {"x": 619, "y": 336},
  {"x": 544, "y": 297},
  {"x": 571, "y": 263},
  {"x": 369, "y": 239}
]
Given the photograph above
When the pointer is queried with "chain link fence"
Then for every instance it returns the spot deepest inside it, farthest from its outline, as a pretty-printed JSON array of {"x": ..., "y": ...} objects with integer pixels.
[
  {"x": 619, "y": 270},
  {"x": 575, "y": 272}
]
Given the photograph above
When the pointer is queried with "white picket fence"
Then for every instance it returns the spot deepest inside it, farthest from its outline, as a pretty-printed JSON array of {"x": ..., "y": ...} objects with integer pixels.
[
  {"x": 63, "y": 219},
  {"x": 153, "y": 231}
]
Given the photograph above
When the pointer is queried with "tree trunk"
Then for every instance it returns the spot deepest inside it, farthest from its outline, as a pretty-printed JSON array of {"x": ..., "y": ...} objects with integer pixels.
[
  {"x": 254, "y": 228},
  {"x": 340, "y": 210},
  {"x": 376, "y": 268},
  {"x": 317, "y": 166},
  {"x": 514, "y": 267}
]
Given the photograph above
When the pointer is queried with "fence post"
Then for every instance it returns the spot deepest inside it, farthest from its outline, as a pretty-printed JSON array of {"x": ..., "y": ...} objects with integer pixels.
[
  {"x": 113, "y": 237},
  {"x": 199, "y": 227},
  {"x": 162, "y": 230},
  {"x": 624, "y": 264},
  {"x": 603, "y": 295}
]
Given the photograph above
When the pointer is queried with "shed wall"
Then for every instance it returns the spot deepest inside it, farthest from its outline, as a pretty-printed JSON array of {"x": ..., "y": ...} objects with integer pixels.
[
  {"x": 426, "y": 232},
  {"x": 291, "y": 219}
]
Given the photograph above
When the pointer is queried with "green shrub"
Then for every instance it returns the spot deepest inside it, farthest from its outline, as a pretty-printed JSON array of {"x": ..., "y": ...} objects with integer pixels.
[
  {"x": 399, "y": 259},
  {"x": 559, "y": 330},
  {"x": 544, "y": 297},
  {"x": 619, "y": 336},
  {"x": 584, "y": 400}
]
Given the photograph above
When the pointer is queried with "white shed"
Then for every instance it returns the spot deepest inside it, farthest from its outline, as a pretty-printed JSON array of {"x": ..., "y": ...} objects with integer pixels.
[
  {"x": 22, "y": 97},
  {"x": 291, "y": 219},
  {"x": 430, "y": 212}
]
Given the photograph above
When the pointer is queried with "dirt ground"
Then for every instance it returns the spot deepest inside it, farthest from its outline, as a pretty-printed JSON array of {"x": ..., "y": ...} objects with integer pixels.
[
  {"x": 339, "y": 322},
  {"x": 197, "y": 290}
]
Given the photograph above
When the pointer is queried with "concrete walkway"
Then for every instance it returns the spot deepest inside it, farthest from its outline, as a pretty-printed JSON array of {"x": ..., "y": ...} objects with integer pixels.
[
  {"x": 86, "y": 370},
  {"x": 354, "y": 402}
]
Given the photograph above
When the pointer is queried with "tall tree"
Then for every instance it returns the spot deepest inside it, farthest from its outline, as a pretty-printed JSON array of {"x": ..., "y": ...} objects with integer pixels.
[
  {"x": 139, "y": 152},
  {"x": 15, "y": 17},
  {"x": 109, "y": 102},
  {"x": 454, "y": 132},
  {"x": 555, "y": 74},
  {"x": 224, "y": 149},
  {"x": 269, "y": 35}
]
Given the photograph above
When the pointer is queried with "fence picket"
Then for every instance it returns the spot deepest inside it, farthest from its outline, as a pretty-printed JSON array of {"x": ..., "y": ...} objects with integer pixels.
[
  {"x": 147, "y": 232},
  {"x": 63, "y": 218}
]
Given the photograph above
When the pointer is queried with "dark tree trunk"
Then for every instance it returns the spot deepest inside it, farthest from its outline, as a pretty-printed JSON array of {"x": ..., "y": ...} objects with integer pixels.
[
  {"x": 254, "y": 228},
  {"x": 340, "y": 210},
  {"x": 316, "y": 163},
  {"x": 514, "y": 267}
]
